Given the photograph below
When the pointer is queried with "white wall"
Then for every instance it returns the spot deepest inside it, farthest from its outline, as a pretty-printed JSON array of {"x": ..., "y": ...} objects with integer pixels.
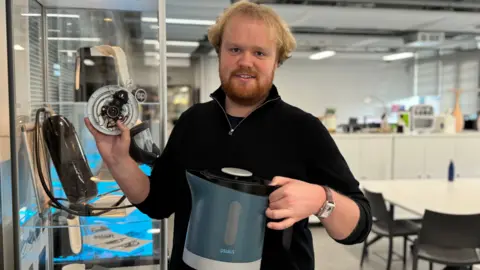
[
  {"x": 343, "y": 84},
  {"x": 460, "y": 70}
]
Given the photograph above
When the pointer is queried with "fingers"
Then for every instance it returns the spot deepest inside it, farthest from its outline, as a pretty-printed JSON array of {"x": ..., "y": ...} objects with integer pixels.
[
  {"x": 279, "y": 213},
  {"x": 125, "y": 131},
  {"x": 277, "y": 195},
  {"x": 280, "y": 204},
  {"x": 285, "y": 224},
  {"x": 90, "y": 127},
  {"x": 280, "y": 181}
]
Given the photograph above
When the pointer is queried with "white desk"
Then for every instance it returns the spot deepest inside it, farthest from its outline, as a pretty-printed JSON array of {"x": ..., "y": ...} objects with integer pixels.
[{"x": 417, "y": 195}]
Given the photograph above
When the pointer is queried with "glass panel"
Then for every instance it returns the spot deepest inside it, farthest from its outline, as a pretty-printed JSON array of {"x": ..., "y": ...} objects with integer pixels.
[
  {"x": 64, "y": 59},
  {"x": 6, "y": 218}
]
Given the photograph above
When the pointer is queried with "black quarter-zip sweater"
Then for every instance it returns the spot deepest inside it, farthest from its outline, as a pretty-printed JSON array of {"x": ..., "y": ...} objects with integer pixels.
[{"x": 277, "y": 139}]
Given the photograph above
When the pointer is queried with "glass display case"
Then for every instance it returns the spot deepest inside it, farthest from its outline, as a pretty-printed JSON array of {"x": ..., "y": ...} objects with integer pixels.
[{"x": 63, "y": 54}]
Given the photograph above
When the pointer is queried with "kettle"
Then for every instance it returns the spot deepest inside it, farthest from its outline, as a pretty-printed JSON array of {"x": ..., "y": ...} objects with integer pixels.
[{"x": 227, "y": 221}]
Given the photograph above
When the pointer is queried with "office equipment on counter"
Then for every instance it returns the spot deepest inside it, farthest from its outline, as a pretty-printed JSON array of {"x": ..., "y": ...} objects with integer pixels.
[
  {"x": 403, "y": 122},
  {"x": 228, "y": 221},
  {"x": 422, "y": 118},
  {"x": 329, "y": 120},
  {"x": 445, "y": 123}
]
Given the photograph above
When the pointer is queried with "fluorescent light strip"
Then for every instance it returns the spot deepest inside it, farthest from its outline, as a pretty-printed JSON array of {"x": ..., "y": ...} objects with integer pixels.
[
  {"x": 52, "y": 15},
  {"x": 169, "y": 54},
  {"x": 149, "y": 19},
  {"x": 179, "y": 21},
  {"x": 67, "y": 51},
  {"x": 17, "y": 47},
  {"x": 183, "y": 43},
  {"x": 188, "y": 21},
  {"x": 172, "y": 43},
  {"x": 178, "y": 55},
  {"x": 398, "y": 56},
  {"x": 75, "y": 39},
  {"x": 322, "y": 55},
  {"x": 64, "y": 16}
]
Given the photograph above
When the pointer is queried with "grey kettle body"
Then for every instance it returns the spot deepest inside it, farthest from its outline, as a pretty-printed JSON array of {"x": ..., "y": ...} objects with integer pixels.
[{"x": 227, "y": 221}]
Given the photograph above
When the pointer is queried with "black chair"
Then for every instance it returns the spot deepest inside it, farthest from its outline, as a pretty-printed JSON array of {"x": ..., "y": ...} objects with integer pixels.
[
  {"x": 385, "y": 226},
  {"x": 447, "y": 239}
]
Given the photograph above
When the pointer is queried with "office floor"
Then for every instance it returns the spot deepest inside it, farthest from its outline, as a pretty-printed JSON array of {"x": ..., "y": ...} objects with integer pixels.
[{"x": 332, "y": 256}]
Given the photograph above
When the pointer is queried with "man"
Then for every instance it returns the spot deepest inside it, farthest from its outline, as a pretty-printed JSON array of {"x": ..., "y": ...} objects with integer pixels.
[{"x": 248, "y": 126}]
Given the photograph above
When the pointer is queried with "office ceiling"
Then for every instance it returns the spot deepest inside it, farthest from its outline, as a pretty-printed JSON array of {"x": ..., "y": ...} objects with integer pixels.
[{"x": 348, "y": 26}]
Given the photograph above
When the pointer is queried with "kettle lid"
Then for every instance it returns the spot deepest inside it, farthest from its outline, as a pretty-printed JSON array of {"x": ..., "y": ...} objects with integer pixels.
[
  {"x": 237, "y": 179},
  {"x": 237, "y": 172}
]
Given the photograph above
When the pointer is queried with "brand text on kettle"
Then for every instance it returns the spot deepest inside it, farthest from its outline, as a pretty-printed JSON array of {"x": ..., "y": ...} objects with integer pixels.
[{"x": 227, "y": 251}]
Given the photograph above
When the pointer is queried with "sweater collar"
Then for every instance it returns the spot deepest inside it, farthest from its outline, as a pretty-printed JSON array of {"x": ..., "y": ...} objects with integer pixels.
[{"x": 220, "y": 95}]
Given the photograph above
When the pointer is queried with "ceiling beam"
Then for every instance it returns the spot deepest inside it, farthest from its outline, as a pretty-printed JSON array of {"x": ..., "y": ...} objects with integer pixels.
[{"x": 448, "y": 5}]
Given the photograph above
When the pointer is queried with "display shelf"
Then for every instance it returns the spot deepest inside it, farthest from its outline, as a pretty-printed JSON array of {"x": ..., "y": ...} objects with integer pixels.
[{"x": 104, "y": 241}]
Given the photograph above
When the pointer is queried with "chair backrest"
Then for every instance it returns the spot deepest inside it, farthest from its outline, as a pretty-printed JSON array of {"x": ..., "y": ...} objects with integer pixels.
[
  {"x": 378, "y": 207},
  {"x": 449, "y": 230}
]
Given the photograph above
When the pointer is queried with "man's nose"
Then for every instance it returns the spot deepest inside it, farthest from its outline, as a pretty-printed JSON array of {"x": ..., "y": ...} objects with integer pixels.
[{"x": 246, "y": 59}]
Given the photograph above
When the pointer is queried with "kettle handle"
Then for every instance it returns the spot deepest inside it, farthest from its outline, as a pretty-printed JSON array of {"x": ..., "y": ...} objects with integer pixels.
[
  {"x": 287, "y": 238},
  {"x": 287, "y": 234}
]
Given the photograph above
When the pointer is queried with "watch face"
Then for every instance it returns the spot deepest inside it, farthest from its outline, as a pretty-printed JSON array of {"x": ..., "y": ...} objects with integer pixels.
[{"x": 327, "y": 210}]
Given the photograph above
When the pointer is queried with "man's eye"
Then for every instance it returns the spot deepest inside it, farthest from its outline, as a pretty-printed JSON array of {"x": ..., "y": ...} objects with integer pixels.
[{"x": 235, "y": 50}]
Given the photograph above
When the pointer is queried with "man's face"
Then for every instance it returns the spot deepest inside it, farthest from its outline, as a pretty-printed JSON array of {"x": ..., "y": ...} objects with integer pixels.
[{"x": 248, "y": 59}]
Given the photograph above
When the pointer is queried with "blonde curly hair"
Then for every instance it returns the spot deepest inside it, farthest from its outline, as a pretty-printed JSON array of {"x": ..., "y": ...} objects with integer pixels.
[{"x": 285, "y": 40}]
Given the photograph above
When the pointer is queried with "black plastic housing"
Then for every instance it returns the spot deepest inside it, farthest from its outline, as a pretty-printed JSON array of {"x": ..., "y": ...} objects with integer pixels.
[
  {"x": 92, "y": 73},
  {"x": 69, "y": 160}
]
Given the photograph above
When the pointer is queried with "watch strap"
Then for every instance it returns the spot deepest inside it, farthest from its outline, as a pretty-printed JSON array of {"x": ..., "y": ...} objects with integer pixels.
[
  {"x": 328, "y": 191},
  {"x": 328, "y": 205}
]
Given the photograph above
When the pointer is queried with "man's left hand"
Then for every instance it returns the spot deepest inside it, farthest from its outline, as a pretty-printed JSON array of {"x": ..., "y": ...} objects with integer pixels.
[{"x": 293, "y": 201}]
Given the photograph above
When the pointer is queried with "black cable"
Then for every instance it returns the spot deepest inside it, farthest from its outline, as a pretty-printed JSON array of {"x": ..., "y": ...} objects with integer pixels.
[{"x": 88, "y": 210}]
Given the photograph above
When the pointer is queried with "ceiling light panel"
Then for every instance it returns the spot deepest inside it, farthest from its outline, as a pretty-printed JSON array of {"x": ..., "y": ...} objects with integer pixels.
[{"x": 322, "y": 55}]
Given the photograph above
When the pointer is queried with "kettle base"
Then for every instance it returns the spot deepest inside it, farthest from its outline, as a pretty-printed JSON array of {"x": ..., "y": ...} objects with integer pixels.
[{"x": 200, "y": 263}]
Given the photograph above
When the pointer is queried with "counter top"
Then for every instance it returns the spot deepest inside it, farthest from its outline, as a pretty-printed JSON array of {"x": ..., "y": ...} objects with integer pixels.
[{"x": 402, "y": 135}]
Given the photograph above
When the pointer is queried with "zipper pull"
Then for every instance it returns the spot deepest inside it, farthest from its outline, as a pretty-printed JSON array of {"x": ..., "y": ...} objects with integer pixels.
[{"x": 231, "y": 132}]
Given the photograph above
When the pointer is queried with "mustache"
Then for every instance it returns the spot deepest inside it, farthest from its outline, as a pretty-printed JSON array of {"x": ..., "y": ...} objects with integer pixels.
[{"x": 245, "y": 72}]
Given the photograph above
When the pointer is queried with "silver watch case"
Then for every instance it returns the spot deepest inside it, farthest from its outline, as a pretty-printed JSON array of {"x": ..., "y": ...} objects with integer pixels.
[{"x": 328, "y": 206}]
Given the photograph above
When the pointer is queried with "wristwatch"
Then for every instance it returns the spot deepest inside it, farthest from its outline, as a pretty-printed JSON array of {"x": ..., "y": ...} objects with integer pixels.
[{"x": 327, "y": 206}]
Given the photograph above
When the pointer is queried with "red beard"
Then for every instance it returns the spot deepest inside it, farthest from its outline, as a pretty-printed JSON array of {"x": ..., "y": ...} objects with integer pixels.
[{"x": 245, "y": 91}]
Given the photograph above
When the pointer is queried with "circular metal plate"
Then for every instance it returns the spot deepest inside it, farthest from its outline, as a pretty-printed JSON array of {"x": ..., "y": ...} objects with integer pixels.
[
  {"x": 237, "y": 172},
  {"x": 104, "y": 96}
]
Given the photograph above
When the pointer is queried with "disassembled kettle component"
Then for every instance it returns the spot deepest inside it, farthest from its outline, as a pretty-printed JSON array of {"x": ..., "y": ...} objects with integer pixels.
[{"x": 112, "y": 103}]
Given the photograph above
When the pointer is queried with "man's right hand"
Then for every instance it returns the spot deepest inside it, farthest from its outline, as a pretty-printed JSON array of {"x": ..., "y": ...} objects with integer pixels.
[
  {"x": 113, "y": 149},
  {"x": 115, "y": 153}
]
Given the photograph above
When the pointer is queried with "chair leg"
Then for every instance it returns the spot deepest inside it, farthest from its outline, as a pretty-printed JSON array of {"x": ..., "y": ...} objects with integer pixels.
[
  {"x": 430, "y": 265},
  {"x": 414, "y": 262},
  {"x": 390, "y": 252},
  {"x": 405, "y": 238},
  {"x": 364, "y": 253}
]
